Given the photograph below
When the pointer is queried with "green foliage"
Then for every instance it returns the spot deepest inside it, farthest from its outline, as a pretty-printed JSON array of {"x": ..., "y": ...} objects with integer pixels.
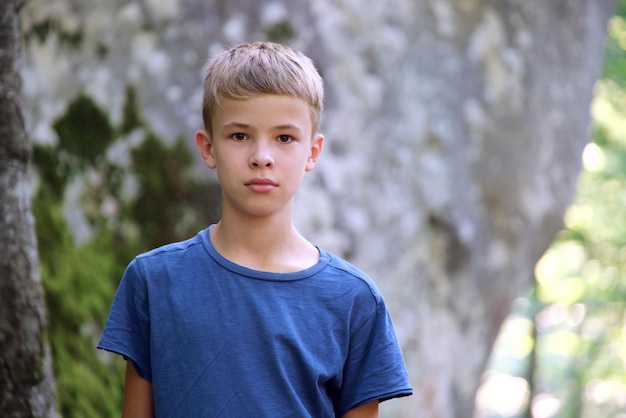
[
  {"x": 80, "y": 277},
  {"x": 102, "y": 50},
  {"x": 84, "y": 130},
  {"x": 131, "y": 119},
  {"x": 164, "y": 186},
  {"x": 43, "y": 29},
  {"x": 78, "y": 283},
  {"x": 54, "y": 170},
  {"x": 280, "y": 32}
]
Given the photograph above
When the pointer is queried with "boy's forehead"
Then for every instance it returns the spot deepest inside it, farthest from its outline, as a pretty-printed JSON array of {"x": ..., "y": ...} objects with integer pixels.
[{"x": 263, "y": 108}]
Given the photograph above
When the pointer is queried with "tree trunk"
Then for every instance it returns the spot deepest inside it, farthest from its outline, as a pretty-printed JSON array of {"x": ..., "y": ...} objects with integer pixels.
[
  {"x": 453, "y": 129},
  {"x": 25, "y": 368},
  {"x": 457, "y": 130}
]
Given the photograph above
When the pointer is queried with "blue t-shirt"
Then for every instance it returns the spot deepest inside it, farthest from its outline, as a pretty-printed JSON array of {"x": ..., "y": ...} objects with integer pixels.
[{"x": 220, "y": 340}]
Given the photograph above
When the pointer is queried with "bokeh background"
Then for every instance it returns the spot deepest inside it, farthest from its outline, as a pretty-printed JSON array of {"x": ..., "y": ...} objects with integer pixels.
[{"x": 475, "y": 166}]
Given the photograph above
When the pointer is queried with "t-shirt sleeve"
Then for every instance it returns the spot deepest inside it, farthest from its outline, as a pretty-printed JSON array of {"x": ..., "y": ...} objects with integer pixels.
[
  {"x": 127, "y": 330},
  {"x": 375, "y": 367}
]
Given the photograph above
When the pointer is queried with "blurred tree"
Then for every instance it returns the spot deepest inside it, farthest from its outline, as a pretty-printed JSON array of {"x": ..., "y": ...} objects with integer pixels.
[
  {"x": 577, "y": 366},
  {"x": 25, "y": 373}
]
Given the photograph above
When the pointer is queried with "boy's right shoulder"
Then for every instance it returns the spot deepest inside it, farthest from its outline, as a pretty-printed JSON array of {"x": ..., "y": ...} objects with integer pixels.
[{"x": 173, "y": 249}]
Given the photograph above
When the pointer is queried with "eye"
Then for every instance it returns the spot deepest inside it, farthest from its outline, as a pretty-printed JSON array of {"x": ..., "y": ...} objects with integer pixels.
[
  {"x": 285, "y": 139},
  {"x": 239, "y": 136}
]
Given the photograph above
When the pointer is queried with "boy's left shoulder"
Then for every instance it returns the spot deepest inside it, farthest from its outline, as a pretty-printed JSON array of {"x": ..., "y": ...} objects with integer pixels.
[{"x": 348, "y": 271}]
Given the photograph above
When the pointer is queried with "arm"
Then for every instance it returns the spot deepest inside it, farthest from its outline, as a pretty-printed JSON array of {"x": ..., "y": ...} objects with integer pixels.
[
  {"x": 368, "y": 410},
  {"x": 138, "y": 401}
]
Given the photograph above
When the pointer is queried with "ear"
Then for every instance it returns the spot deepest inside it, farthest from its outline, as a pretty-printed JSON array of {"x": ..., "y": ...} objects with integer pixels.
[
  {"x": 316, "y": 149},
  {"x": 204, "y": 143}
]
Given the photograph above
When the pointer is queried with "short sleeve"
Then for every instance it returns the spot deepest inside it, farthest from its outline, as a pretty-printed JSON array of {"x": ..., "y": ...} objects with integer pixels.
[
  {"x": 375, "y": 367},
  {"x": 127, "y": 330}
]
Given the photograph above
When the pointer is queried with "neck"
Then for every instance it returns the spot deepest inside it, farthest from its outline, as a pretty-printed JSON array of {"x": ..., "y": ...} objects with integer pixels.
[
  {"x": 268, "y": 244},
  {"x": 254, "y": 233}
]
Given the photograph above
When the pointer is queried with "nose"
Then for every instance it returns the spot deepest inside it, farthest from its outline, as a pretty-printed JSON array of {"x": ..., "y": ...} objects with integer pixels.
[{"x": 261, "y": 156}]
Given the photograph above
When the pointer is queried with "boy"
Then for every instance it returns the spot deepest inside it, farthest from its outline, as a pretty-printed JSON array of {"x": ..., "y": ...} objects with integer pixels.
[{"x": 248, "y": 318}]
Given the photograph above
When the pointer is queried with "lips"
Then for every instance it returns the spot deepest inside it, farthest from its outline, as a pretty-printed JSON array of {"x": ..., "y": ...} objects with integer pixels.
[
  {"x": 261, "y": 185},
  {"x": 261, "y": 182}
]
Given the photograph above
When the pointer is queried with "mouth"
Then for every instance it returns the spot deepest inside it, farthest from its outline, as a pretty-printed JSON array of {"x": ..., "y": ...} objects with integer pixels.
[
  {"x": 261, "y": 185},
  {"x": 261, "y": 182}
]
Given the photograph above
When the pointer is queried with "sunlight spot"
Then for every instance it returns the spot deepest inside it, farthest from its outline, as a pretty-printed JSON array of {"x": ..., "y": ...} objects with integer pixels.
[
  {"x": 551, "y": 315},
  {"x": 561, "y": 260},
  {"x": 516, "y": 336},
  {"x": 601, "y": 109},
  {"x": 502, "y": 394},
  {"x": 545, "y": 405},
  {"x": 547, "y": 266},
  {"x": 601, "y": 391},
  {"x": 561, "y": 344},
  {"x": 593, "y": 158},
  {"x": 576, "y": 315},
  {"x": 578, "y": 216},
  {"x": 617, "y": 30},
  {"x": 567, "y": 290}
]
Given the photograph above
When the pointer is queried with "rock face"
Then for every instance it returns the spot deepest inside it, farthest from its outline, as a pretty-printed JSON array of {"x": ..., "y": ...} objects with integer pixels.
[{"x": 454, "y": 131}]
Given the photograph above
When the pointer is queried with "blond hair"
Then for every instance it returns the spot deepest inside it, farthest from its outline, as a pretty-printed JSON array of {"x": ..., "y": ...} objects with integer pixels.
[{"x": 262, "y": 68}]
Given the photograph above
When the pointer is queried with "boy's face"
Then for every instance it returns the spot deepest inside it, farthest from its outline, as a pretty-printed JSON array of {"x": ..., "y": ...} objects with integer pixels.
[{"x": 261, "y": 148}]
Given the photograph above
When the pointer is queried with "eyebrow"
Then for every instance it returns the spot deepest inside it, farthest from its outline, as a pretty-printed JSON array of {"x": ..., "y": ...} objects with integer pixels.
[
  {"x": 240, "y": 125},
  {"x": 236, "y": 125},
  {"x": 287, "y": 126}
]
